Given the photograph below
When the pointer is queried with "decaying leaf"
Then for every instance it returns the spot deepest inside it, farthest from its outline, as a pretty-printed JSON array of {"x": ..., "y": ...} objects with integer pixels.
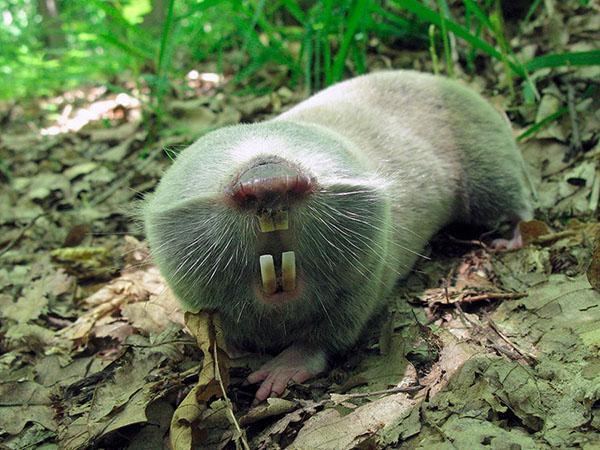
[
  {"x": 380, "y": 422},
  {"x": 187, "y": 426},
  {"x": 145, "y": 289},
  {"x": 110, "y": 400},
  {"x": 471, "y": 282},
  {"x": 23, "y": 402},
  {"x": 593, "y": 271},
  {"x": 533, "y": 229},
  {"x": 273, "y": 407},
  {"x": 84, "y": 262}
]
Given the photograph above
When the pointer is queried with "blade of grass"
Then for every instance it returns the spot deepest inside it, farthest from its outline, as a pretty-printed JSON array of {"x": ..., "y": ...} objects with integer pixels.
[
  {"x": 132, "y": 51},
  {"x": 327, "y": 58},
  {"x": 295, "y": 10},
  {"x": 542, "y": 123},
  {"x": 591, "y": 58},
  {"x": 507, "y": 56},
  {"x": 359, "y": 58},
  {"x": 249, "y": 27},
  {"x": 498, "y": 31},
  {"x": 308, "y": 53},
  {"x": 428, "y": 15},
  {"x": 318, "y": 78},
  {"x": 360, "y": 10},
  {"x": 478, "y": 12},
  {"x": 469, "y": 25},
  {"x": 203, "y": 6},
  {"x": 531, "y": 11},
  {"x": 443, "y": 7},
  {"x": 164, "y": 39},
  {"x": 432, "y": 50},
  {"x": 163, "y": 63},
  {"x": 399, "y": 25},
  {"x": 400, "y": 22},
  {"x": 260, "y": 55},
  {"x": 142, "y": 37},
  {"x": 359, "y": 53},
  {"x": 275, "y": 43}
]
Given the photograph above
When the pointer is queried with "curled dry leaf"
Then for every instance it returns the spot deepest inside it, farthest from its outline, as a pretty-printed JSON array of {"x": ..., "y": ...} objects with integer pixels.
[
  {"x": 213, "y": 379},
  {"x": 131, "y": 287}
]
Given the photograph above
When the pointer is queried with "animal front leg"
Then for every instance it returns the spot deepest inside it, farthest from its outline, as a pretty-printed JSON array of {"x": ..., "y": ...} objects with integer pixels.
[{"x": 295, "y": 364}]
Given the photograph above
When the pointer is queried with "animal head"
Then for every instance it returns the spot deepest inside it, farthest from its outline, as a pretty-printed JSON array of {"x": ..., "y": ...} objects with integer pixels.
[{"x": 271, "y": 218}]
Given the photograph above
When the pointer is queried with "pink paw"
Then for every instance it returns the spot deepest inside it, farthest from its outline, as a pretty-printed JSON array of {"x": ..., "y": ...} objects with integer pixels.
[
  {"x": 293, "y": 365},
  {"x": 509, "y": 244}
]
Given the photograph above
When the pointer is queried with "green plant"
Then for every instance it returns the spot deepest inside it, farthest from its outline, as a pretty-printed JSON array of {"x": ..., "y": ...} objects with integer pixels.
[{"x": 259, "y": 43}]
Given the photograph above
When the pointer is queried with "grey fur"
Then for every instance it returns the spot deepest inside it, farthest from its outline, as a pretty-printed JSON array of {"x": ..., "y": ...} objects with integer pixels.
[{"x": 396, "y": 155}]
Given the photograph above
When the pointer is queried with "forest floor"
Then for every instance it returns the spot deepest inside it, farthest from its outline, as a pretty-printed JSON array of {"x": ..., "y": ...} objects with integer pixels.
[{"x": 481, "y": 349}]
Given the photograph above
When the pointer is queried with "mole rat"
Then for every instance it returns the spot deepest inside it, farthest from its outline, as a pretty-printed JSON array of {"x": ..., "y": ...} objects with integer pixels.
[{"x": 296, "y": 229}]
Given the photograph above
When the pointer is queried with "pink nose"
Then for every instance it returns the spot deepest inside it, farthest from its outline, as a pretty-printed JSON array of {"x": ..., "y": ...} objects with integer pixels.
[{"x": 268, "y": 184}]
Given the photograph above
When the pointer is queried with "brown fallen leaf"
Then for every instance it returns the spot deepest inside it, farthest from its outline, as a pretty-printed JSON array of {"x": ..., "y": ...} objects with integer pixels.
[
  {"x": 533, "y": 229},
  {"x": 131, "y": 287},
  {"x": 271, "y": 408},
  {"x": 187, "y": 426},
  {"x": 593, "y": 271},
  {"x": 154, "y": 315},
  {"x": 76, "y": 235},
  {"x": 375, "y": 424}
]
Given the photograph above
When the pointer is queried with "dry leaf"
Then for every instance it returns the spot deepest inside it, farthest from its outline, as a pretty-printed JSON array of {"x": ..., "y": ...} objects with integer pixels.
[
  {"x": 533, "y": 229},
  {"x": 186, "y": 426},
  {"x": 272, "y": 407},
  {"x": 593, "y": 271}
]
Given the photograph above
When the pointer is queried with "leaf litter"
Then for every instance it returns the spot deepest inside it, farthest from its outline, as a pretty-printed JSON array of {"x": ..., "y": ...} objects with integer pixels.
[{"x": 480, "y": 349}]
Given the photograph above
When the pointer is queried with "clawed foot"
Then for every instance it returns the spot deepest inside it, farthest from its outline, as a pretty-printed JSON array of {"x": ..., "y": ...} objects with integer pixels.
[
  {"x": 293, "y": 365},
  {"x": 509, "y": 244}
]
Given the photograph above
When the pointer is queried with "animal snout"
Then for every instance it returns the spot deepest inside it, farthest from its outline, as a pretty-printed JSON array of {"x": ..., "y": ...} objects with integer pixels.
[{"x": 270, "y": 185}]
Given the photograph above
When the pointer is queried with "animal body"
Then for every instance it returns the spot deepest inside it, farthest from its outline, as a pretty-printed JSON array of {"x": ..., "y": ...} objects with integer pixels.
[{"x": 297, "y": 228}]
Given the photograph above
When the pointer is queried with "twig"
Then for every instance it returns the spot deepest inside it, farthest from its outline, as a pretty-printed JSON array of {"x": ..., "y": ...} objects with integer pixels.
[
  {"x": 595, "y": 193},
  {"x": 394, "y": 390},
  {"x": 477, "y": 242},
  {"x": 549, "y": 238},
  {"x": 575, "y": 138},
  {"x": 493, "y": 342},
  {"x": 493, "y": 296},
  {"x": 232, "y": 419},
  {"x": 12, "y": 243},
  {"x": 530, "y": 357}
]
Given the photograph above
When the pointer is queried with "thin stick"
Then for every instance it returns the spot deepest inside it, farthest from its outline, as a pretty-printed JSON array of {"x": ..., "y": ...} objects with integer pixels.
[
  {"x": 493, "y": 296},
  {"x": 232, "y": 418},
  {"x": 393, "y": 390},
  {"x": 548, "y": 238},
  {"x": 12, "y": 243},
  {"x": 530, "y": 357},
  {"x": 575, "y": 138}
]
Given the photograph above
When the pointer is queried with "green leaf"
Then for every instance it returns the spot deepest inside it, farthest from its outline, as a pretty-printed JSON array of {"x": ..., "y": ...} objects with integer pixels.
[{"x": 542, "y": 123}]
